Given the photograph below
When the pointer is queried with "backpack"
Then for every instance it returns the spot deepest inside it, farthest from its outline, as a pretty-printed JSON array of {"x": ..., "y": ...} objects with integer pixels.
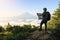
[{"x": 48, "y": 16}]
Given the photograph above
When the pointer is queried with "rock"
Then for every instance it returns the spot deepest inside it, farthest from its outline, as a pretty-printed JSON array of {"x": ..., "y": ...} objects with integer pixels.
[{"x": 41, "y": 35}]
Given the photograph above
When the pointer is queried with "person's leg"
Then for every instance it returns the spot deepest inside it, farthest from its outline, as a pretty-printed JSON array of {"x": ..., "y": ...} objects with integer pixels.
[
  {"x": 41, "y": 25},
  {"x": 46, "y": 26}
]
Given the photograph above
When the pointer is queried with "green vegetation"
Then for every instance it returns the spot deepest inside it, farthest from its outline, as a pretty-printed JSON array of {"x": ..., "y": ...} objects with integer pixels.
[
  {"x": 55, "y": 23},
  {"x": 16, "y": 32}
]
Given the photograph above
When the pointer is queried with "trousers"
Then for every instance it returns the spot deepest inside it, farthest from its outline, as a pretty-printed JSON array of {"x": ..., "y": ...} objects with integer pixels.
[{"x": 43, "y": 22}]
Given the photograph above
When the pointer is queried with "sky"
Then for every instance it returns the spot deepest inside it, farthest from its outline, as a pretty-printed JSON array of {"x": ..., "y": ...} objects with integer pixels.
[{"x": 12, "y": 8}]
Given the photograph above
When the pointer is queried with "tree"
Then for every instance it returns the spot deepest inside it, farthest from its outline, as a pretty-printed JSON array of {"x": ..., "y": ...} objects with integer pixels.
[
  {"x": 55, "y": 22},
  {"x": 9, "y": 27},
  {"x": 16, "y": 29},
  {"x": 2, "y": 29},
  {"x": 57, "y": 16}
]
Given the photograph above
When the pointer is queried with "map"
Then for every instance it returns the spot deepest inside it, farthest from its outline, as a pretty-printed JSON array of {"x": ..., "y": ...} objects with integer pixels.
[{"x": 39, "y": 15}]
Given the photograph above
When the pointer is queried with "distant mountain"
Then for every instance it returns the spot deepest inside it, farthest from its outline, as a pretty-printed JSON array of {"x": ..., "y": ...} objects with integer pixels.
[{"x": 26, "y": 16}]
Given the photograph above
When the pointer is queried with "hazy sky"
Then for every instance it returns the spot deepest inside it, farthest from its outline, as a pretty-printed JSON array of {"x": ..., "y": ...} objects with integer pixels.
[{"x": 11, "y": 8}]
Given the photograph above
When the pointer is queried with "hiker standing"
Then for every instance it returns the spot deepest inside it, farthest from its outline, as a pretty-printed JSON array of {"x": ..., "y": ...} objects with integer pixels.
[{"x": 46, "y": 17}]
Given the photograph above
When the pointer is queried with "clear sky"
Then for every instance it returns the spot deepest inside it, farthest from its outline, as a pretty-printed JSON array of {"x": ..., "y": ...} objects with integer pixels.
[
  {"x": 16, "y": 7},
  {"x": 11, "y": 8}
]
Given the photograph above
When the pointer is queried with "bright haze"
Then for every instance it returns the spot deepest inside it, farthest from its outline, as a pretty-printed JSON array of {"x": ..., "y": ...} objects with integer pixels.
[{"x": 24, "y": 11}]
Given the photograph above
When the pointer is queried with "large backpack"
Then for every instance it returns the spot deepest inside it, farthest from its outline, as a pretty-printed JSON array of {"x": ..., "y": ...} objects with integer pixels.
[{"x": 48, "y": 16}]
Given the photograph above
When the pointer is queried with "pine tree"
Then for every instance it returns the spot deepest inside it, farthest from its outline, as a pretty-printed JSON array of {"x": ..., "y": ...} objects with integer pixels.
[
  {"x": 9, "y": 27},
  {"x": 56, "y": 16},
  {"x": 55, "y": 21}
]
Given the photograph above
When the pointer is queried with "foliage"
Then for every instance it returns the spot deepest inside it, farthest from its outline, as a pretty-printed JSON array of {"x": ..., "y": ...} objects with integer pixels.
[
  {"x": 55, "y": 20},
  {"x": 57, "y": 23},
  {"x": 16, "y": 32},
  {"x": 2, "y": 29}
]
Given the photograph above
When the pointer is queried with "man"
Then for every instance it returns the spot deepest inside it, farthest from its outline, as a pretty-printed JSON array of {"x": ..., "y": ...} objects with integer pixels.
[{"x": 46, "y": 17}]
